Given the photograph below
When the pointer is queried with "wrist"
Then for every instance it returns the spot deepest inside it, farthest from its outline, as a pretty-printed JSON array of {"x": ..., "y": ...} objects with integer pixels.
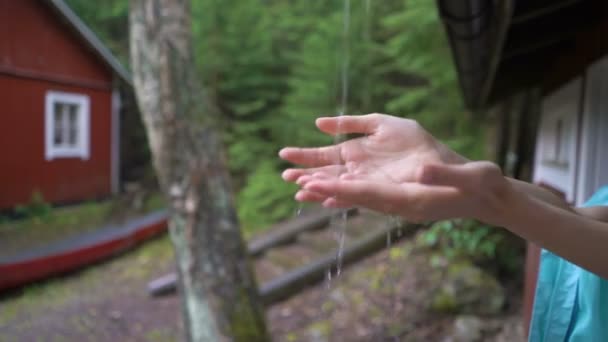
[
  {"x": 514, "y": 207},
  {"x": 503, "y": 204}
]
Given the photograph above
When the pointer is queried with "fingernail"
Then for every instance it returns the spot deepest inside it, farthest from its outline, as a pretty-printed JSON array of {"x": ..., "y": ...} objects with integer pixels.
[{"x": 283, "y": 152}]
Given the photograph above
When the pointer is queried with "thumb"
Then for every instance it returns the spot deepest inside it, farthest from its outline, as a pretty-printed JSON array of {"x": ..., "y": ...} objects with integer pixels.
[{"x": 466, "y": 176}]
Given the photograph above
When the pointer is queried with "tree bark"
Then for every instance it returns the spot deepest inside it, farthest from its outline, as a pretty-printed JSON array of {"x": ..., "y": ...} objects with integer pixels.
[{"x": 219, "y": 294}]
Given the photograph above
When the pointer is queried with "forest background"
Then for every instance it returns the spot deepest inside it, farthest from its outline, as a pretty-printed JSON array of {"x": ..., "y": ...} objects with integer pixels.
[{"x": 273, "y": 66}]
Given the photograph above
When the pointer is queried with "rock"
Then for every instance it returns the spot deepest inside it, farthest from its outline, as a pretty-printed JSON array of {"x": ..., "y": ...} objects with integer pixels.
[
  {"x": 319, "y": 331},
  {"x": 465, "y": 288},
  {"x": 467, "y": 329},
  {"x": 115, "y": 315}
]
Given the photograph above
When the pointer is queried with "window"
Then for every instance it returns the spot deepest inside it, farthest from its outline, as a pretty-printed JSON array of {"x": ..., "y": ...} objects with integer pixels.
[
  {"x": 557, "y": 152},
  {"x": 67, "y": 125}
]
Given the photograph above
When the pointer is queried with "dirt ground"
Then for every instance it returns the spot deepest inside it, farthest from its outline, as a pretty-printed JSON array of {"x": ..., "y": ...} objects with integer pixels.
[{"x": 383, "y": 298}]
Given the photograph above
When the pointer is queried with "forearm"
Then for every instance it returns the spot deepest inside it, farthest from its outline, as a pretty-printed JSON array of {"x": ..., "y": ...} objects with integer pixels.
[
  {"x": 544, "y": 195},
  {"x": 579, "y": 239},
  {"x": 539, "y": 193}
]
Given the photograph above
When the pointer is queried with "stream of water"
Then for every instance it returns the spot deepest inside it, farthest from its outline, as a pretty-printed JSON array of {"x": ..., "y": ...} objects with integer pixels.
[{"x": 339, "y": 221}]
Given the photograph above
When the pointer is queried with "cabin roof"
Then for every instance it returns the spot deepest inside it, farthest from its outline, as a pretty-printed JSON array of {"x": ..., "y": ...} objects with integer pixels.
[
  {"x": 502, "y": 46},
  {"x": 89, "y": 37}
]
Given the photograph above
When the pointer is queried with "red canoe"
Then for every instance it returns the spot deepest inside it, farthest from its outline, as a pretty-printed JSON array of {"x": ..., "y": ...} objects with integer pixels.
[{"x": 79, "y": 251}]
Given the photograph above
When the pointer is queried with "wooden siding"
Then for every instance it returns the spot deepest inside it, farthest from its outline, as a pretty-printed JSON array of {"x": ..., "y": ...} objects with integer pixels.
[
  {"x": 23, "y": 168},
  {"x": 40, "y": 53},
  {"x": 35, "y": 43}
]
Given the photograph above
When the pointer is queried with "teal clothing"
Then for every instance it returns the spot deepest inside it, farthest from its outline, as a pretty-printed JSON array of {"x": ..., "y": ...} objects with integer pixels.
[{"x": 571, "y": 304}]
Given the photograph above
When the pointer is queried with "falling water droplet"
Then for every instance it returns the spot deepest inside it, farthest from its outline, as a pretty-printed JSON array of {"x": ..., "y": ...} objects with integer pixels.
[{"x": 341, "y": 239}]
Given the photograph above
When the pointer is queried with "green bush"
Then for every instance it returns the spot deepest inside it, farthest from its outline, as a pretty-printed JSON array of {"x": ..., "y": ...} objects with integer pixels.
[
  {"x": 36, "y": 208},
  {"x": 265, "y": 199},
  {"x": 488, "y": 246}
]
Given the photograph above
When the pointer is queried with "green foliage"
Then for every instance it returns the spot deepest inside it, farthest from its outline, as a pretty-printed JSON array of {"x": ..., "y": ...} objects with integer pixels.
[
  {"x": 264, "y": 199},
  {"x": 37, "y": 208},
  {"x": 486, "y": 245},
  {"x": 273, "y": 66},
  {"x": 109, "y": 19}
]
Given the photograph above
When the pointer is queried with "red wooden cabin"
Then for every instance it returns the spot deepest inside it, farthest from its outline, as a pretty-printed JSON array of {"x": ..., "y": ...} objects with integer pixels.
[{"x": 59, "y": 106}]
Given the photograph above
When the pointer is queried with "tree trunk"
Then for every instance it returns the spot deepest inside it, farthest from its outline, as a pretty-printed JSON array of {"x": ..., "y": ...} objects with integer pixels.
[{"x": 219, "y": 294}]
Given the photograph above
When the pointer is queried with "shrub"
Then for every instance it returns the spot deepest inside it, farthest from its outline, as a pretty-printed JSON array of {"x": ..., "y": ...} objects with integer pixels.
[
  {"x": 37, "y": 207},
  {"x": 265, "y": 198},
  {"x": 488, "y": 246}
]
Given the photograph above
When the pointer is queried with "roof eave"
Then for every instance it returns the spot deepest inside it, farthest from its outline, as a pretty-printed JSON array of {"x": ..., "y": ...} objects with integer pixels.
[
  {"x": 91, "y": 38},
  {"x": 476, "y": 38}
]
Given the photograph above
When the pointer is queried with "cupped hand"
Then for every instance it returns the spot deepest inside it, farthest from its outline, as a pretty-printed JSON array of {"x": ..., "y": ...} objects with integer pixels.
[
  {"x": 390, "y": 150},
  {"x": 396, "y": 167}
]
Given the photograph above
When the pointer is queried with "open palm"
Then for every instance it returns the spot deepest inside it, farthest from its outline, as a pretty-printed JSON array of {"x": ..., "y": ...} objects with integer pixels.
[
  {"x": 397, "y": 168},
  {"x": 391, "y": 150},
  {"x": 389, "y": 154}
]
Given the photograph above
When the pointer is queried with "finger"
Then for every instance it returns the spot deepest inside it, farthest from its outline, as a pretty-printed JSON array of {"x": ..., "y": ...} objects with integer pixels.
[
  {"x": 334, "y": 203},
  {"x": 358, "y": 192},
  {"x": 292, "y": 175},
  {"x": 309, "y": 196},
  {"x": 366, "y": 124},
  {"x": 414, "y": 201},
  {"x": 313, "y": 157},
  {"x": 305, "y": 179}
]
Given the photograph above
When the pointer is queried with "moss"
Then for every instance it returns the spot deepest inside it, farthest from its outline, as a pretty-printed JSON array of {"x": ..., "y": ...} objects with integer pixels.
[
  {"x": 154, "y": 202},
  {"x": 291, "y": 337},
  {"x": 397, "y": 329},
  {"x": 160, "y": 335},
  {"x": 466, "y": 288},
  {"x": 444, "y": 302},
  {"x": 396, "y": 253},
  {"x": 245, "y": 326},
  {"x": 328, "y": 306},
  {"x": 320, "y": 329}
]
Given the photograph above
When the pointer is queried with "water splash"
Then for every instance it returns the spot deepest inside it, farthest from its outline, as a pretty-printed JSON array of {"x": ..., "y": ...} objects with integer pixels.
[
  {"x": 328, "y": 278},
  {"x": 341, "y": 239},
  {"x": 393, "y": 221},
  {"x": 298, "y": 211}
]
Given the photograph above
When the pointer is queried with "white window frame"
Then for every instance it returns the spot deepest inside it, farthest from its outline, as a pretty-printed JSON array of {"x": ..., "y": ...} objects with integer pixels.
[
  {"x": 593, "y": 168},
  {"x": 563, "y": 105},
  {"x": 82, "y": 148}
]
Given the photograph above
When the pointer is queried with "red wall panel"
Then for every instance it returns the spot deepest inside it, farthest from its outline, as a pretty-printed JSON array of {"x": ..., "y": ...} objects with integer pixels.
[
  {"x": 39, "y": 52},
  {"x": 34, "y": 38},
  {"x": 23, "y": 167}
]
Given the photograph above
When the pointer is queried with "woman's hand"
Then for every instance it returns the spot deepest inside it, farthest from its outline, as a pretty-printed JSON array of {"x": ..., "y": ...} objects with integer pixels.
[
  {"x": 396, "y": 168},
  {"x": 399, "y": 168}
]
